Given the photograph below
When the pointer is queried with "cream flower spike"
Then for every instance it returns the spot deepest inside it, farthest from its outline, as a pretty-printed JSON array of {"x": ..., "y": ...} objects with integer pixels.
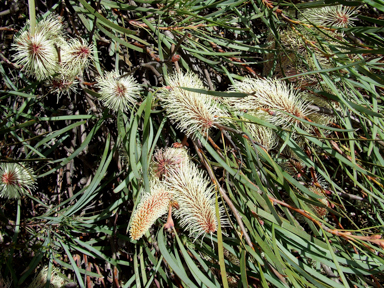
[
  {"x": 195, "y": 197},
  {"x": 272, "y": 97},
  {"x": 193, "y": 112},
  {"x": 152, "y": 206},
  {"x": 262, "y": 135},
  {"x": 37, "y": 54},
  {"x": 75, "y": 57},
  {"x": 52, "y": 28},
  {"x": 117, "y": 92},
  {"x": 333, "y": 16},
  {"x": 167, "y": 160},
  {"x": 15, "y": 180}
]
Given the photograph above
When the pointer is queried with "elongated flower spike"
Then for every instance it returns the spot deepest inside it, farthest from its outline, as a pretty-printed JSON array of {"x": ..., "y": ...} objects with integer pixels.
[
  {"x": 75, "y": 57},
  {"x": 193, "y": 112},
  {"x": 152, "y": 206},
  {"x": 117, "y": 92},
  {"x": 167, "y": 160},
  {"x": 15, "y": 180},
  {"x": 333, "y": 16},
  {"x": 274, "y": 97},
  {"x": 195, "y": 197},
  {"x": 37, "y": 54}
]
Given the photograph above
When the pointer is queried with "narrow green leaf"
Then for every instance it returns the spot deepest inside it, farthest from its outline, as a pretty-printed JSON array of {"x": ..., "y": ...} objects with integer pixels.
[{"x": 172, "y": 262}]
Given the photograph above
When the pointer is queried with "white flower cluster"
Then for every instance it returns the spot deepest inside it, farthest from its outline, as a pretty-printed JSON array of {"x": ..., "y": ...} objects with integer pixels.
[
  {"x": 193, "y": 112},
  {"x": 46, "y": 54},
  {"x": 183, "y": 185},
  {"x": 15, "y": 180},
  {"x": 57, "y": 279},
  {"x": 118, "y": 92}
]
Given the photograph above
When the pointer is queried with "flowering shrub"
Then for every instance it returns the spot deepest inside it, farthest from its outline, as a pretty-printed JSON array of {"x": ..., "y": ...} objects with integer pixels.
[{"x": 194, "y": 144}]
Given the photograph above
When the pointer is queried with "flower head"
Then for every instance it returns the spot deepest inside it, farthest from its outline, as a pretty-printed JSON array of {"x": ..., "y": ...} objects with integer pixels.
[
  {"x": 63, "y": 85},
  {"x": 335, "y": 16},
  {"x": 319, "y": 210},
  {"x": 58, "y": 280},
  {"x": 262, "y": 135},
  {"x": 195, "y": 197},
  {"x": 15, "y": 180},
  {"x": 152, "y": 206},
  {"x": 274, "y": 97},
  {"x": 52, "y": 28},
  {"x": 75, "y": 57},
  {"x": 167, "y": 160},
  {"x": 193, "y": 112},
  {"x": 117, "y": 92},
  {"x": 37, "y": 54}
]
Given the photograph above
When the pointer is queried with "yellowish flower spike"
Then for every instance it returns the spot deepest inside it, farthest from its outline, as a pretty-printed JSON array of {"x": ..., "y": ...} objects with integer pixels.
[
  {"x": 167, "y": 160},
  {"x": 117, "y": 92},
  {"x": 152, "y": 206},
  {"x": 195, "y": 197},
  {"x": 274, "y": 97},
  {"x": 193, "y": 112}
]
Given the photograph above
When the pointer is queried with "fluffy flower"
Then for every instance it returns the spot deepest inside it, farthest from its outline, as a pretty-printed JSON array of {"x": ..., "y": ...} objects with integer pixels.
[
  {"x": 262, "y": 135},
  {"x": 117, "y": 92},
  {"x": 271, "y": 96},
  {"x": 37, "y": 54},
  {"x": 152, "y": 206},
  {"x": 75, "y": 57},
  {"x": 167, "y": 160},
  {"x": 195, "y": 197},
  {"x": 58, "y": 280},
  {"x": 52, "y": 28},
  {"x": 63, "y": 85},
  {"x": 322, "y": 118},
  {"x": 193, "y": 112},
  {"x": 334, "y": 16},
  {"x": 320, "y": 211},
  {"x": 15, "y": 180}
]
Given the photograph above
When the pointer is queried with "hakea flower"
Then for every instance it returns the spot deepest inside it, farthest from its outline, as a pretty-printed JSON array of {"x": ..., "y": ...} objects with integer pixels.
[
  {"x": 152, "y": 206},
  {"x": 75, "y": 57},
  {"x": 52, "y": 28},
  {"x": 322, "y": 118},
  {"x": 320, "y": 211},
  {"x": 37, "y": 54},
  {"x": 57, "y": 280},
  {"x": 335, "y": 16},
  {"x": 15, "y": 180},
  {"x": 63, "y": 85},
  {"x": 271, "y": 96},
  {"x": 193, "y": 112},
  {"x": 262, "y": 135},
  {"x": 167, "y": 160},
  {"x": 118, "y": 92},
  {"x": 195, "y": 197}
]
